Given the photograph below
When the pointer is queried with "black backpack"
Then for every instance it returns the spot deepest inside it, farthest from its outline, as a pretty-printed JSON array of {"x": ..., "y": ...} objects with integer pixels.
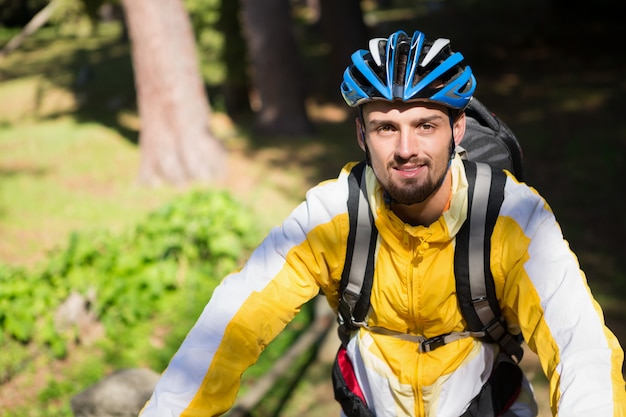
[
  {"x": 488, "y": 139},
  {"x": 488, "y": 146}
]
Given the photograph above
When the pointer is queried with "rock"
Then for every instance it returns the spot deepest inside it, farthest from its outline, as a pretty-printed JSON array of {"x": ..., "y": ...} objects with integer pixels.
[
  {"x": 76, "y": 319},
  {"x": 121, "y": 394}
]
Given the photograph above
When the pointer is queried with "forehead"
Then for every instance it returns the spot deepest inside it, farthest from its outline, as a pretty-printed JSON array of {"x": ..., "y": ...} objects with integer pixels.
[{"x": 418, "y": 108}]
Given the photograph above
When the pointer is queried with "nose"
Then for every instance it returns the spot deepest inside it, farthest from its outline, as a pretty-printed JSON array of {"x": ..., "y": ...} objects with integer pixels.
[{"x": 408, "y": 145}]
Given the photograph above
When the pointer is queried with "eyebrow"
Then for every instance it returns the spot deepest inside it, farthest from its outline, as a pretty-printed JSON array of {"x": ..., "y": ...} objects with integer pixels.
[{"x": 425, "y": 119}]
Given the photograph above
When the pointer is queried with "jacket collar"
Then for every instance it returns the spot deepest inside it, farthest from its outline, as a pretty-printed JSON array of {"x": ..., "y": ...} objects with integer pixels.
[{"x": 442, "y": 230}]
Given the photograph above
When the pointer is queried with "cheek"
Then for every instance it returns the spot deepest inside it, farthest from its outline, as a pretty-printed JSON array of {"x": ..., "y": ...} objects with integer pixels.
[
  {"x": 381, "y": 150},
  {"x": 436, "y": 147}
]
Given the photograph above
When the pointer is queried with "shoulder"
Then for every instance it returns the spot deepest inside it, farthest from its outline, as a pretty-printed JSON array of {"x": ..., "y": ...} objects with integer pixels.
[
  {"x": 518, "y": 193},
  {"x": 325, "y": 201},
  {"x": 523, "y": 204}
]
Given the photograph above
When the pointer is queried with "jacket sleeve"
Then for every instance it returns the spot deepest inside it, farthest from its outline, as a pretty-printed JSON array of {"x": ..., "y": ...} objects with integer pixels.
[
  {"x": 546, "y": 293},
  {"x": 252, "y": 306}
]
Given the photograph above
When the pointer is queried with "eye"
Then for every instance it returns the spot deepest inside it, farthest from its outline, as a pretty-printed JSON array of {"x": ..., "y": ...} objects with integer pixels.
[
  {"x": 426, "y": 128},
  {"x": 385, "y": 129}
]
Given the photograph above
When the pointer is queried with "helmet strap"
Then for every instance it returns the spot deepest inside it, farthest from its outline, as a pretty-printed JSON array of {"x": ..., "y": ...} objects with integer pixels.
[
  {"x": 452, "y": 144},
  {"x": 368, "y": 160}
]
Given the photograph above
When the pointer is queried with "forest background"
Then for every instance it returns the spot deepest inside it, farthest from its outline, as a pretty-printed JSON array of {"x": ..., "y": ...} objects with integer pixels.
[{"x": 90, "y": 208}]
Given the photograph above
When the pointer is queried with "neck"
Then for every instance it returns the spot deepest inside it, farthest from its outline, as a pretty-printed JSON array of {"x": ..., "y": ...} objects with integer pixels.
[{"x": 429, "y": 210}]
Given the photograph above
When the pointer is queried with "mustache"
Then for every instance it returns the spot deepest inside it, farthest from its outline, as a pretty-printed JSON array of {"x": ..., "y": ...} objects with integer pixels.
[{"x": 416, "y": 160}]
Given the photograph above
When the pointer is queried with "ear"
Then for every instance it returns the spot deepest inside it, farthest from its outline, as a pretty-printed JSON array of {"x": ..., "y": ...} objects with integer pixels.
[
  {"x": 459, "y": 128},
  {"x": 360, "y": 133}
]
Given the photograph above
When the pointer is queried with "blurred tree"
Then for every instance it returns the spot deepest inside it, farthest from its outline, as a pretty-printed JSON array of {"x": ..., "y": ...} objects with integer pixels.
[
  {"x": 177, "y": 146},
  {"x": 92, "y": 10},
  {"x": 277, "y": 74},
  {"x": 236, "y": 86},
  {"x": 70, "y": 13},
  {"x": 222, "y": 52},
  {"x": 37, "y": 21},
  {"x": 55, "y": 12},
  {"x": 345, "y": 31},
  {"x": 16, "y": 13}
]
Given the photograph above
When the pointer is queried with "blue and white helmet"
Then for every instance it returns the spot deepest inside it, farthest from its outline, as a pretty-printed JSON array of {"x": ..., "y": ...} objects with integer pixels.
[{"x": 404, "y": 68}]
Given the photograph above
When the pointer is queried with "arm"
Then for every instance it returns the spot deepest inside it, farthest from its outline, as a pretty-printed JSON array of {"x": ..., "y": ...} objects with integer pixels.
[
  {"x": 547, "y": 294},
  {"x": 252, "y": 306}
]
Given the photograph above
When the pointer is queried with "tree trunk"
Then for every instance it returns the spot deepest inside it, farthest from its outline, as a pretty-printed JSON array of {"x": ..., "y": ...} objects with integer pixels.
[
  {"x": 236, "y": 85},
  {"x": 345, "y": 30},
  {"x": 277, "y": 72},
  {"x": 177, "y": 146}
]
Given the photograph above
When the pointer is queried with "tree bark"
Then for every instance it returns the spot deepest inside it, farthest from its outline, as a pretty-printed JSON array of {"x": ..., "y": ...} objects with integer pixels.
[
  {"x": 177, "y": 146},
  {"x": 277, "y": 72}
]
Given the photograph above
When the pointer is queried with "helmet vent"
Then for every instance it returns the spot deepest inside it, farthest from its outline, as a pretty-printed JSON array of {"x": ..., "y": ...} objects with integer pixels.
[
  {"x": 436, "y": 47},
  {"x": 377, "y": 50},
  {"x": 401, "y": 61}
]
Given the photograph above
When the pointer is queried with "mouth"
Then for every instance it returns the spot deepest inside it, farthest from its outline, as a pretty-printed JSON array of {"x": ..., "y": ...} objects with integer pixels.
[{"x": 409, "y": 171}]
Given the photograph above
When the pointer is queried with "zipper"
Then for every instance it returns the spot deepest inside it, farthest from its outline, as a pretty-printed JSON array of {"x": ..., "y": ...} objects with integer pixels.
[{"x": 415, "y": 248}]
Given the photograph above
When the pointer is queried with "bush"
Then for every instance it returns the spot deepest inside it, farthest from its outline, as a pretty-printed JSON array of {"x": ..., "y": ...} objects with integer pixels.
[{"x": 180, "y": 250}]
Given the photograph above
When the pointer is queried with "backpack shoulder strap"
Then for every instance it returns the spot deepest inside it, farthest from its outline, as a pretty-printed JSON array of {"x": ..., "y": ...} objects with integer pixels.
[
  {"x": 358, "y": 272},
  {"x": 474, "y": 280}
]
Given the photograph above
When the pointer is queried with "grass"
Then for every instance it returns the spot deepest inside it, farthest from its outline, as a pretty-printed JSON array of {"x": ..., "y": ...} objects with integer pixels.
[
  {"x": 59, "y": 176},
  {"x": 68, "y": 163},
  {"x": 62, "y": 169}
]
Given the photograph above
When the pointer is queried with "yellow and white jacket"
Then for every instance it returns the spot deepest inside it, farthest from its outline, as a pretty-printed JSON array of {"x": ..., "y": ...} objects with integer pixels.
[{"x": 541, "y": 289}]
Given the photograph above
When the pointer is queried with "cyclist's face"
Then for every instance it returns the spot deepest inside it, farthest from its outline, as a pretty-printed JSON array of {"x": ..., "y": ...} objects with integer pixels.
[{"x": 408, "y": 146}]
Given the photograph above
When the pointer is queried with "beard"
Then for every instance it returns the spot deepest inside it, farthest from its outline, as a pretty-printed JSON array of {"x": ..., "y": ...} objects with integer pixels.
[{"x": 411, "y": 192}]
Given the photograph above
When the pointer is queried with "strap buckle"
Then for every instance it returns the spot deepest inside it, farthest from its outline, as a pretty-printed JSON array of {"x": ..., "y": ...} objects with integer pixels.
[{"x": 433, "y": 343}]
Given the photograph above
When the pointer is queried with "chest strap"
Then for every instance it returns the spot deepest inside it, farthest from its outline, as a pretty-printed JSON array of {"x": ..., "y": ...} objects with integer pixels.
[{"x": 426, "y": 344}]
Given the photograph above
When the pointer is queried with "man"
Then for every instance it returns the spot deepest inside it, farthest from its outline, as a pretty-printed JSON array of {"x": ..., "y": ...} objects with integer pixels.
[{"x": 410, "y": 94}]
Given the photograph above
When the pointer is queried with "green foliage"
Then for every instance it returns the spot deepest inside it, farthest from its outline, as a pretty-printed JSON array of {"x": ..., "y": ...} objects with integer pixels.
[
  {"x": 67, "y": 11},
  {"x": 134, "y": 275},
  {"x": 204, "y": 15},
  {"x": 13, "y": 359},
  {"x": 154, "y": 278}
]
